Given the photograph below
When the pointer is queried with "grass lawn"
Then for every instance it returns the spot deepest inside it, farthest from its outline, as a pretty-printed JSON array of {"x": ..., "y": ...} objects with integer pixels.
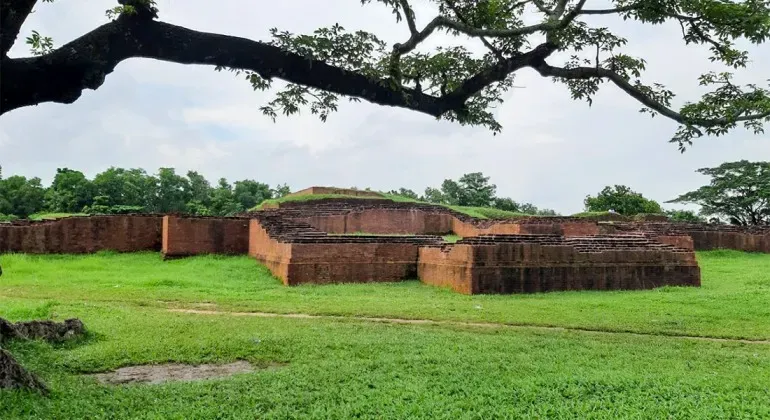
[{"x": 343, "y": 368}]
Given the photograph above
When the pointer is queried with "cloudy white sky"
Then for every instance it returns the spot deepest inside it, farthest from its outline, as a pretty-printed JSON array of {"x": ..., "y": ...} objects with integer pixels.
[{"x": 552, "y": 152}]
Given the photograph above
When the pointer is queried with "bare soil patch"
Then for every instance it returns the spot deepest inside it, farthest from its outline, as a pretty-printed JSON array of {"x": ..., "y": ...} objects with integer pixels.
[
  {"x": 156, "y": 374},
  {"x": 463, "y": 324}
]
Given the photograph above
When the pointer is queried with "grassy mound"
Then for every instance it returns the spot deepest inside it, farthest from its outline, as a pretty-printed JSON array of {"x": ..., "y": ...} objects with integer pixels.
[{"x": 477, "y": 212}]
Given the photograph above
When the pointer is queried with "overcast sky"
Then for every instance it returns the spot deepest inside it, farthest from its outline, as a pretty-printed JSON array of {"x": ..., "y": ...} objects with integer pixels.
[{"x": 552, "y": 152}]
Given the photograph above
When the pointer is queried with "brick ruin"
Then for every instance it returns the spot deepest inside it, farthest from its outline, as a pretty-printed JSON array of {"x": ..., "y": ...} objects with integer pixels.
[{"x": 377, "y": 240}]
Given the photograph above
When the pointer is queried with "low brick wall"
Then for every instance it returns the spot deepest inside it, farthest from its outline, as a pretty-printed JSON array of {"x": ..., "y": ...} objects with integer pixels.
[
  {"x": 555, "y": 265},
  {"x": 352, "y": 263},
  {"x": 275, "y": 255},
  {"x": 384, "y": 221},
  {"x": 83, "y": 234},
  {"x": 741, "y": 241},
  {"x": 186, "y": 236}
]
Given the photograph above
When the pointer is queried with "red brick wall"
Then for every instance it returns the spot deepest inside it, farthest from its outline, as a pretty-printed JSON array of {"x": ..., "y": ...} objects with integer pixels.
[
  {"x": 184, "y": 236},
  {"x": 466, "y": 229},
  {"x": 526, "y": 268},
  {"x": 352, "y": 263},
  {"x": 74, "y": 235},
  {"x": 384, "y": 221},
  {"x": 680, "y": 241},
  {"x": 708, "y": 240},
  {"x": 273, "y": 254}
]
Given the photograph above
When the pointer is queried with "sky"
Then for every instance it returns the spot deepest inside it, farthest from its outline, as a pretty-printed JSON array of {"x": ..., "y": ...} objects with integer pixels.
[{"x": 552, "y": 152}]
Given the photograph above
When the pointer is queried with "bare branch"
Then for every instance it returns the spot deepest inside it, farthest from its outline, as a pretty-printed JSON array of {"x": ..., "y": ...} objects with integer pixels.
[
  {"x": 409, "y": 16},
  {"x": 591, "y": 72},
  {"x": 13, "y": 13}
]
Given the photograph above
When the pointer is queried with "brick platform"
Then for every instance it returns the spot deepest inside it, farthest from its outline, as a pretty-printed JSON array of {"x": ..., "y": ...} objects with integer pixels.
[{"x": 542, "y": 263}]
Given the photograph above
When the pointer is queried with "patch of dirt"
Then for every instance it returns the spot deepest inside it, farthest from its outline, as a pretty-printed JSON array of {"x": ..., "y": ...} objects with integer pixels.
[
  {"x": 156, "y": 374},
  {"x": 465, "y": 324},
  {"x": 50, "y": 331}
]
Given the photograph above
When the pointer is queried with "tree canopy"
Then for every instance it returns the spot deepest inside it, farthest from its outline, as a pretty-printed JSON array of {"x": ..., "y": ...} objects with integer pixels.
[
  {"x": 120, "y": 190},
  {"x": 738, "y": 191},
  {"x": 449, "y": 81},
  {"x": 472, "y": 190},
  {"x": 622, "y": 200}
]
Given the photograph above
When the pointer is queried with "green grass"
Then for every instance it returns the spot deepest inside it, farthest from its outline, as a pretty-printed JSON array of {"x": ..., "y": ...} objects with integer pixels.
[
  {"x": 49, "y": 216},
  {"x": 452, "y": 238},
  {"x": 354, "y": 368}
]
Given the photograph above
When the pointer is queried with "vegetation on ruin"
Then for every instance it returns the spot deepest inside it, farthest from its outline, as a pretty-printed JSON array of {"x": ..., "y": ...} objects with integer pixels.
[
  {"x": 350, "y": 367},
  {"x": 462, "y": 78},
  {"x": 738, "y": 192}
]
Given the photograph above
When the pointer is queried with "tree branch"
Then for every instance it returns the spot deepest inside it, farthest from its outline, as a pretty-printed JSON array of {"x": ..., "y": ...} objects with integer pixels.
[
  {"x": 409, "y": 16},
  {"x": 593, "y": 72},
  {"x": 621, "y": 9},
  {"x": 13, "y": 13},
  {"x": 63, "y": 74},
  {"x": 444, "y": 22}
]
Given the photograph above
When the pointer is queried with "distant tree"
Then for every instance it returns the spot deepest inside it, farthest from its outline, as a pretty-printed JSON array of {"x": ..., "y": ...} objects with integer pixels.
[
  {"x": 738, "y": 191},
  {"x": 506, "y": 204},
  {"x": 223, "y": 201},
  {"x": 433, "y": 195},
  {"x": 125, "y": 187},
  {"x": 684, "y": 216},
  {"x": 623, "y": 200},
  {"x": 475, "y": 190},
  {"x": 171, "y": 191},
  {"x": 249, "y": 193},
  {"x": 405, "y": 192},
  {"x": 69, "y": 192},
  {"x": 281, "y": 190},
  {"x": 199, "y": 189},
  {"x": 529, "y": 208},
  {"x": 20, "y": 196}
]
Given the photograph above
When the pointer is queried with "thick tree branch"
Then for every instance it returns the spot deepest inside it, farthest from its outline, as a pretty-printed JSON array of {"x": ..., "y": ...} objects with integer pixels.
[
  {"x": 13, "y": 13},
  {"x": 61, "y": 75},
  {"x": 83, "y": 63},
  {"x": 409, "y": 16},
  {"x": 593, "y": 72},
  {"x": 499, "y": 71}
]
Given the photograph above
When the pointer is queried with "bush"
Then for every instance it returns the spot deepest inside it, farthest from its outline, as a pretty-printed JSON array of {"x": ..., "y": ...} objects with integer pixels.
[{"x": 7, "y": 217}]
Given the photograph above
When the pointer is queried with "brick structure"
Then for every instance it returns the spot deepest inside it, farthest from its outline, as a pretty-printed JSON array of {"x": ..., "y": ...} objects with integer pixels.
[
  {"x": 703, "y": 236},
  {"x": 297, "y": 253},
  {"x": 185, "y": 236},
  {"x": 542, "y": 263},
  {"x": 313, "y": 242},
  {"x": 85, "y": 234}
]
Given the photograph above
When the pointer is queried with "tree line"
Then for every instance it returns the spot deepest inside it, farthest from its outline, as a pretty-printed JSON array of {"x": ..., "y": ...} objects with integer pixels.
[
  {"x": 119, "y": 190},
  {"x": 738, "y": 193}
]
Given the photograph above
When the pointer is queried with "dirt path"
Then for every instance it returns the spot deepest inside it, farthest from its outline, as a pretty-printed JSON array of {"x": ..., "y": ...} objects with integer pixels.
[{"x": 463, "y": 324}]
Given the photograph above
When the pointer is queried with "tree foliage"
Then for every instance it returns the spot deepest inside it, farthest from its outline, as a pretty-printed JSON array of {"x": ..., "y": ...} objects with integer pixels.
[
  {"x": 738, "y": 192},
  {"x": 450, "y": 81},
  {"x": 121, "y": 191},
  {"x": 472, "y": 190},
  {"x": 622, "y": 200}
]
